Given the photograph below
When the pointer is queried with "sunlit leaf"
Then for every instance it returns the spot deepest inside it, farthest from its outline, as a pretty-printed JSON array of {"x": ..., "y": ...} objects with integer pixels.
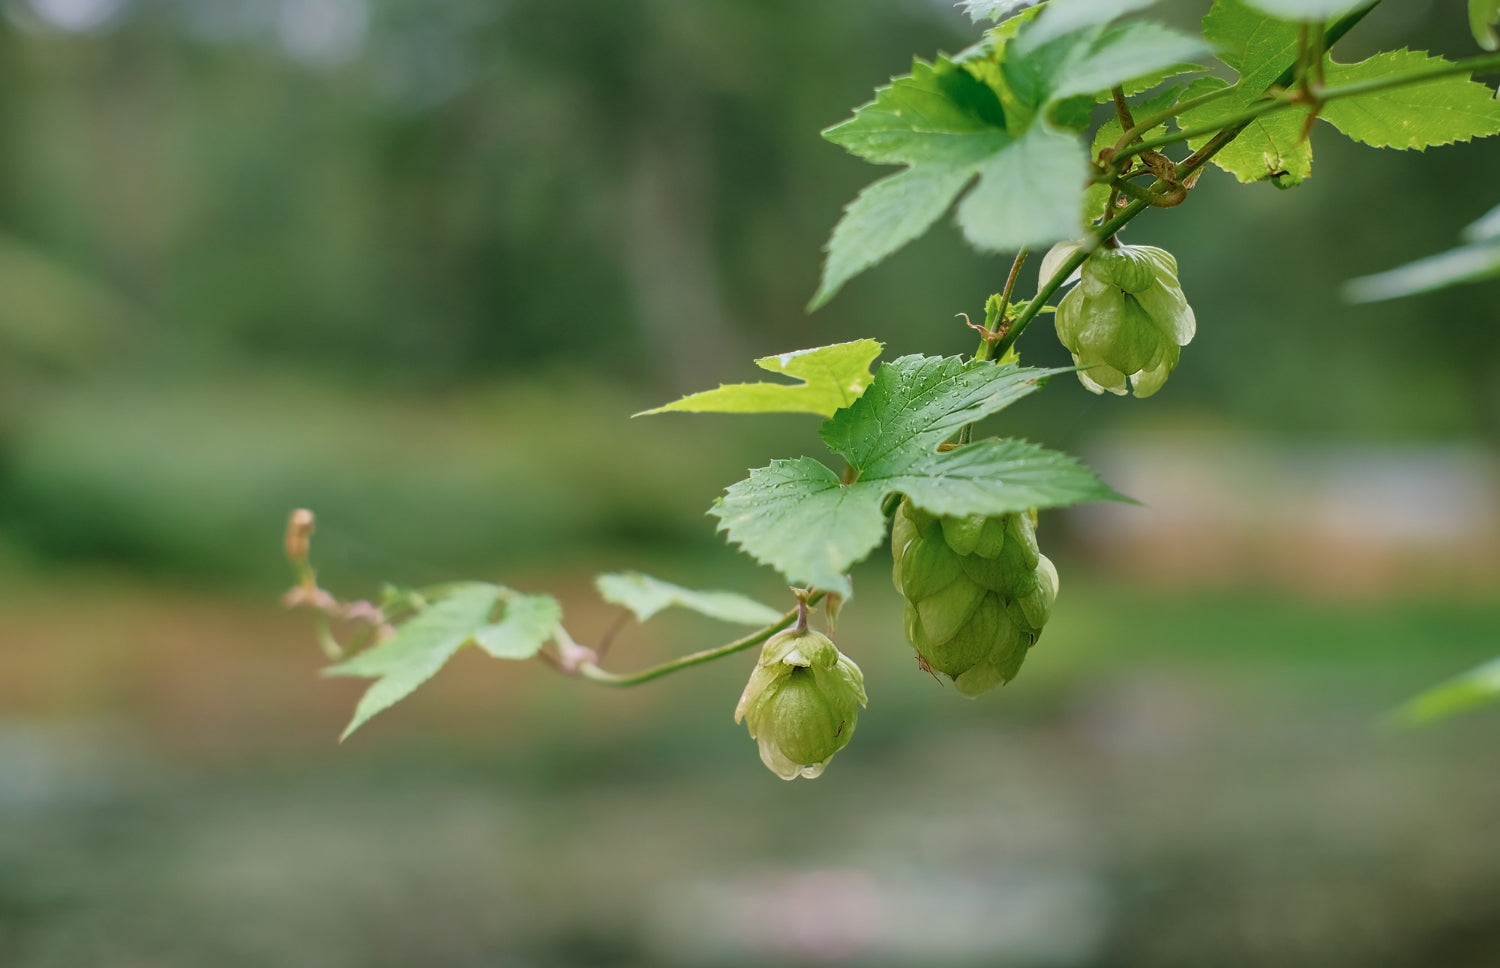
[
  {"x": 832, "y": 377},
  {"x": 1436, "y": 112}
]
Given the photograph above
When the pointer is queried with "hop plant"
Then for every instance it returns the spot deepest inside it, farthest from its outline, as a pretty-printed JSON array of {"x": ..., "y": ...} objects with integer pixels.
[
  {"x": 977, "y": 592},
  {"x": 802, "y": 702},
  {"x": 1126, "y": 320}
]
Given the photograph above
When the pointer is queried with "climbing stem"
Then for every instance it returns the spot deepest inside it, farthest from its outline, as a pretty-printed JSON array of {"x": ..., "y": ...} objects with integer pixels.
[
  {"x": 985, "y": 343},
  {"x": 1227, "y": 131},
  {"x": 1283, "y": 100},
  {"x": 593, "y": 673}
]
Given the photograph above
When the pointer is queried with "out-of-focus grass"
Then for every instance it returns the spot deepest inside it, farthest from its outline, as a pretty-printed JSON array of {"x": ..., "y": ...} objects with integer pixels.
[
  {"x": 1175, "y": 778},
  {"x": 196, "y": 479}
]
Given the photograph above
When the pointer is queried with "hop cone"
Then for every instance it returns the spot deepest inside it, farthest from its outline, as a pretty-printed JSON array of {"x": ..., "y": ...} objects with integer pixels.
[
  {"x": 977, "y": 592},
  {"x": 1127, "y": 318},
  {"x": 801, "y": 702}
]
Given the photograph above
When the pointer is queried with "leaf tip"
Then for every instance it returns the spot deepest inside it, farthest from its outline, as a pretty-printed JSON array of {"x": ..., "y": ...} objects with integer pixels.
[{"x": 822, "y": 297}]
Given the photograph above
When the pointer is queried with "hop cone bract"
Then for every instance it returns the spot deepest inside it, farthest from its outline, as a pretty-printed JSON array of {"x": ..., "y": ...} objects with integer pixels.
[
  {"x": 801, "y": 702},
  {"x": 1126, "y": 320},
  {"x": 977, "y": 592}
]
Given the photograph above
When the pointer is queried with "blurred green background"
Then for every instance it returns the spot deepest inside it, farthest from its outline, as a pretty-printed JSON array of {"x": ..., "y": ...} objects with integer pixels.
[{"x": 413, "y": 264}]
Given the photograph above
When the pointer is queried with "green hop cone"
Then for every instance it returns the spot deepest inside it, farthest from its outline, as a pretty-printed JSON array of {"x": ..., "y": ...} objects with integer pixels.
[
  {"x": 801, "y": 702},
  {"x": 1126, "y": 320},
  {"x": 977, "y": 590}
]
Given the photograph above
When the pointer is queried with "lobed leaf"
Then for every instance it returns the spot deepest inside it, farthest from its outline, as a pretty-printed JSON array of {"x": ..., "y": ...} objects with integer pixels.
[
  {"x": 883, "y": 218},
  {"x": 1028, "y": 196},
  {"x": 1436, "y": 112},
  {"x": 528, "y": 622},
  {"x": 937, "y": 114},
  {"x": 832, "y": 378},
  {"x": 917, "y": 402},
  {"x": 644, "y": 596},
  {"x": 997, "y": 11},
  {"x": 1260, "y": 46},
  {"x": 418, "y": 650},
  {"x": 1270, "y": 147},
  {"x": 999, "y": 116},
  {"x": 796, "y": 516},
  {"x": 800, "y": 518},
  {"x": 1093, "y": 62}
]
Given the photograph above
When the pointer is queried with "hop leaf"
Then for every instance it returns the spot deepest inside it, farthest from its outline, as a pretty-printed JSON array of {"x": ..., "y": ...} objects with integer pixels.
[{"x": 811, "y": 525}]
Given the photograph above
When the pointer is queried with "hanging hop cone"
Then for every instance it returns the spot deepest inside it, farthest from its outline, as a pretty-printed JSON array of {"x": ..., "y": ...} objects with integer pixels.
[
  {"x": 977, "y": 592},
  {"x": 1126, "y": 320},
  {"x": 801, "y": 702}
]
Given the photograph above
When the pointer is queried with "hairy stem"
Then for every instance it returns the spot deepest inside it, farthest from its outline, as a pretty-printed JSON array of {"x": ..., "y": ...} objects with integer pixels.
[{"x": 1167, "y": 114}]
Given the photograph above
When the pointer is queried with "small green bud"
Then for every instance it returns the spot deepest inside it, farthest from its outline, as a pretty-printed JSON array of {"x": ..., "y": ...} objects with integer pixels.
[
  {"x": 1126, "y": 320},
  {"x": 801, "y": 702}
]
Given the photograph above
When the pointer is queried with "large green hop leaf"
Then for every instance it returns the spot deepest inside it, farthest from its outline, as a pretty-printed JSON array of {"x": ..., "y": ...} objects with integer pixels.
[
  {"x": 832, "y": 377},
  {"x": 1436, "y": 112},
  {"x": 1003, "y": 118},
  {"x": 1261, "y": 47},
  {"x": 804, "y": 520}
]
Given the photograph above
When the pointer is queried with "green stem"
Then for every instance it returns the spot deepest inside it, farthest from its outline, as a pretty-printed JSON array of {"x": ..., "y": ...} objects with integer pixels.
[
  {"x": 983, "y": 353},
  {"x": 1148, "y": 196},
  {"x": 1167, "y": 114},
  {"x": 1239, "y": 118},
  {"x": 1472, "y": 65},
  {"x": 1196, "y": 161},
  {"x": 593, "y": 673},
  {"x": 986, "y": 348}
]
